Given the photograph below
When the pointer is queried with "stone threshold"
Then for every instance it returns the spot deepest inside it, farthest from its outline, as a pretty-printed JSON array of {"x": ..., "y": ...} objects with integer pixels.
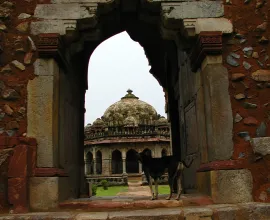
[
  {"x": 134, "y": 203},
  {"x": 242, "y": 211}
]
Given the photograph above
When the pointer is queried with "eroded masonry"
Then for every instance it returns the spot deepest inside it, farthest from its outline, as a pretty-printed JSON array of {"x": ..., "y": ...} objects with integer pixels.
[{"x": 211, "y": 58}]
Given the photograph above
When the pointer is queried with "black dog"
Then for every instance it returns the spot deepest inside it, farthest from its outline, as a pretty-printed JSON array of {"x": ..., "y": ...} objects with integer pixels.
[{"x": 156, "y": 167}]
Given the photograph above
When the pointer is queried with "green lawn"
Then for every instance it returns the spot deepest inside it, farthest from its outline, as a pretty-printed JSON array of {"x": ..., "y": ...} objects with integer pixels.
[
  {"x": 163, "y": 189},
  {"x": 111, "y": 191}
]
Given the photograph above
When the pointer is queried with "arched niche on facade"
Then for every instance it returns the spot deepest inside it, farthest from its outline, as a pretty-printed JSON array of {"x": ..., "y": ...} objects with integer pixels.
[
  {"x": 132, "y": 164},
  {"x": 146, "y": 150},
  {"x": 98, "y": 162},
  {"x": 89, "y": 163},
  {"x": 117, "y": 163}
]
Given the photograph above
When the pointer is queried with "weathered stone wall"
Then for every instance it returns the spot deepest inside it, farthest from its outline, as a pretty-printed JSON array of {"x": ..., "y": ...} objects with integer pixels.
[{"x": 246, "y": 57}]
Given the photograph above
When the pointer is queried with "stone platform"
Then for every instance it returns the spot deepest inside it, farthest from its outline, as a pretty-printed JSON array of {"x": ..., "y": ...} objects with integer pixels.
[
  {"x": 108, "y": 203},
  {"x": 244, "y": 211}
]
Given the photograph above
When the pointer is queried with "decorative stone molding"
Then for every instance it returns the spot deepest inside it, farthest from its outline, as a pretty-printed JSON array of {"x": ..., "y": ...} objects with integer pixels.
[
  {"x": 192, "y": 27},
  {"x": 208, "y": 43},
  {"x": 189, "y": 27},
  {"x": 51, "y": 46}
]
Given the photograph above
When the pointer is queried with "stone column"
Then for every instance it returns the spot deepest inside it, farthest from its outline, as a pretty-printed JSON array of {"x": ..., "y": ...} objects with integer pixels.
[
  {"x": 94, "y": 161},
  {"x": 124, "y": 161},
  {"x": 87, "y": 167},
  {"x": 42, "y": 111},
  {"x": 94, "y": 166}
]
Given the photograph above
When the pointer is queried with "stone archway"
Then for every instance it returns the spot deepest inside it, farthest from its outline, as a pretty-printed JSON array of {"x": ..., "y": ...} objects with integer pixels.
[
  {"x": 187, "y": 57},
  {"x": 132, "y": 164}
]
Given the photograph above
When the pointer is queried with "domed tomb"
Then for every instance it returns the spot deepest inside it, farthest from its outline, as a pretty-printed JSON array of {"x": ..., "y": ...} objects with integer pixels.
[{"x": 130, "y": 110}]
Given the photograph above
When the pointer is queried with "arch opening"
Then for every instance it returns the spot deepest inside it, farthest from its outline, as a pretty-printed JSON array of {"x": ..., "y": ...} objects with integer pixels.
[
  {"x": 117, "y": 162},
  {"x": 132, "y": 164}
]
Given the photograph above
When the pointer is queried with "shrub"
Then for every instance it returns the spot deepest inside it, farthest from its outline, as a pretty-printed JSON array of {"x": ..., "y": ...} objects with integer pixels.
[
  {"x": 94, "y": 189},
  {"x": 104, "y": 184}
]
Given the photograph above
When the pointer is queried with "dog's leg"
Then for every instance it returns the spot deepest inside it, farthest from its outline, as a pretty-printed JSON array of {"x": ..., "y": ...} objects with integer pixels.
[
  {"x": 170, "y": 180},
  {"x": 151, "y": 188},
  {"x": 156, "y": 188},
  {"x": 179, "y": 185}
]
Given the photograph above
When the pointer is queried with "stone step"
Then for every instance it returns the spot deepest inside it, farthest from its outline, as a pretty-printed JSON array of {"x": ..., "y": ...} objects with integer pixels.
[{"x": 244, "y": 211}]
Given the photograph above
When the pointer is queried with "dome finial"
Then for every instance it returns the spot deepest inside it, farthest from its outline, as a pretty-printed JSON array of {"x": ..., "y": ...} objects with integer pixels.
[
  {"x": 129, "y": 95},
  {"x": 129, "y": 91}
]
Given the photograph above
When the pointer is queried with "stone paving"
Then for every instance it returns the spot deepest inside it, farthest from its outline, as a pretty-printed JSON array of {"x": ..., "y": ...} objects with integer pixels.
[{"x": 244, "y": 211}]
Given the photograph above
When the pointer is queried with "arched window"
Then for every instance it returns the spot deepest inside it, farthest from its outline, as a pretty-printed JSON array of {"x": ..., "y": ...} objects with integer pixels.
[
  {"x": 132, "y": 164},
  {"x": 117, "y": 163},
  {"x": 89, "y": 164},
  {"x": 98, "y": 162}
]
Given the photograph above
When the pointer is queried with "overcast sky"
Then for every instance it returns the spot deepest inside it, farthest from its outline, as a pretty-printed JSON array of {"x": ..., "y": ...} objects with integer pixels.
[{"x": 119, "y": 64}]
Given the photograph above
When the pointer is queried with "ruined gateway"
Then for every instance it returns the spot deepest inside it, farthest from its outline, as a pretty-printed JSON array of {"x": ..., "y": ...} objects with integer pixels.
[
  {"x": 111, "y": 143},
  {"x": 211, "y": 58}
]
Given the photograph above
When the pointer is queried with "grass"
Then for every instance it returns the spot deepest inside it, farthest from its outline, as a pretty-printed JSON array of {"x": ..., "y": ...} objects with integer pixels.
[
  {"x": 111, "y": 191},
  {"x": 163, "y": 189}
]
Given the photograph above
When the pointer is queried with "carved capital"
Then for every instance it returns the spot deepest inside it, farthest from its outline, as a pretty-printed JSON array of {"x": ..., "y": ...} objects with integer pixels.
[
  {"x": 208, "y": 43},
  {"x": 188, "y": 29},
  {"x": 51, "y": 46}
]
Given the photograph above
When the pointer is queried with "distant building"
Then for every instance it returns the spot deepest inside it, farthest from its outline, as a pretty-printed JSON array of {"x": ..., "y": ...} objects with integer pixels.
[{"x": 127, "y": 126}]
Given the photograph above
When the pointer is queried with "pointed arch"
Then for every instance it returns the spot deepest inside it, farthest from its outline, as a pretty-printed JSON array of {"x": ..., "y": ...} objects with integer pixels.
[
  {"x": 117, "y": 163},
  {"x": 132, "y": 164}
]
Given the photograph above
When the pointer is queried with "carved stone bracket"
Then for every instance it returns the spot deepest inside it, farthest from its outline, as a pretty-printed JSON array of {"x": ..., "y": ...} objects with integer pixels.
[
  {"x": 51, "y": 46},
  {"x": 208, "y": 43}
]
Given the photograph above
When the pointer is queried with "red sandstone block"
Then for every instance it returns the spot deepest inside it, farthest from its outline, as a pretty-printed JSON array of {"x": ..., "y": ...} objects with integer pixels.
[
  {"x": 28, "y": 141},
  {"x": 17, "y": 194},
  {"x": 18, "y": 165},
  {"x": 32, "y": 159}
]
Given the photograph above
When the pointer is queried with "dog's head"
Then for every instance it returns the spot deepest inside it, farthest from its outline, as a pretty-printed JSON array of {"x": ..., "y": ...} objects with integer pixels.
[{"x": 142, "y": 156}]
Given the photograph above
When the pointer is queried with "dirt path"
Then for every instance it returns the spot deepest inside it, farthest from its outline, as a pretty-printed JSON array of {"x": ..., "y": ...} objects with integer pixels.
[{"x": 135, "y": 189}]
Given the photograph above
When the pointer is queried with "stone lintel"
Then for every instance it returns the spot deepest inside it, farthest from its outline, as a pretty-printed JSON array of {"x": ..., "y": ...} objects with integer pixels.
[
  {"x": 261, "y": 145},
  {"x": 174, "y": 12},
  {"x": 65, "y": 11},
  {"x": 208, "y": 43}
]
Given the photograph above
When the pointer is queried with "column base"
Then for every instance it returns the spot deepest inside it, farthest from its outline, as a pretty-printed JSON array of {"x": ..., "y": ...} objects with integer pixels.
[
  {"x": 226, "y": 186},
  {"x": 47, "y": 192}
]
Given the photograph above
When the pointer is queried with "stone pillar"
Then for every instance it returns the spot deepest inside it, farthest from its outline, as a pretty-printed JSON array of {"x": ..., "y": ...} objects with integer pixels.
[
  {"x": 94, "y": 161},
  {"x": 42, "y": 111},
  {"x": 86, "y": 167},
  {"x": 94, "y": 166},
  {"x": 221, "y": 177},
  {"x": 124, "y": 161}
]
